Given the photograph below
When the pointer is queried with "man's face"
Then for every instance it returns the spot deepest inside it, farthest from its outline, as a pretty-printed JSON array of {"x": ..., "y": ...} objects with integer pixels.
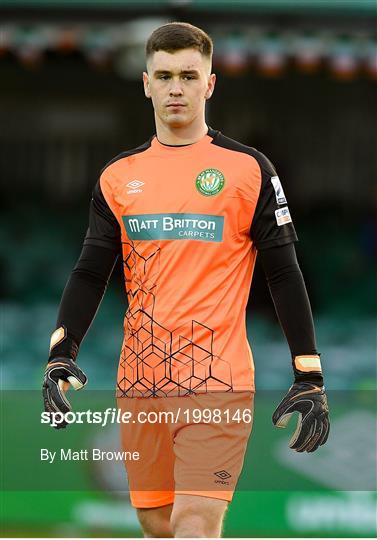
[{"x": 178, "y": 85}]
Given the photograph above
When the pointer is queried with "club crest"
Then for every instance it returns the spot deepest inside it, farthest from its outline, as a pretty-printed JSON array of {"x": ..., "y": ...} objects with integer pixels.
[{"x": 210, "y": 182}]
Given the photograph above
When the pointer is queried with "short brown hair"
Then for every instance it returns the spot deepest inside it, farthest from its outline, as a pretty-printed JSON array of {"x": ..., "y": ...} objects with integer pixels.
[{"x": 175, "y": 36}]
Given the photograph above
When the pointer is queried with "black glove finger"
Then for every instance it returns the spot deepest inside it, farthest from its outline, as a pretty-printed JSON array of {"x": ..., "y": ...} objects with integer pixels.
[
  {"x": 47, "y": 405},
  {"x": 55, "y": 397},
  {"x": 57, "y": 422},
  {"x": 282, "y": 413},
  {"x": 315, "y": 439},
  {"x": 326, "y": 431},
  {"x": 320, "y": 437},
  {"x": 277, "y": 414},
  {"x": 305, "y": 428},
  {"x": 48, "y": 402},
  {"x": 281, "y": 417},
  {"x": 59, "y": 373},
  {"x": 77, "y": 377},
  {"x": 286, "y": 408},
  {"x": 308, "y": 441},
  {"x": 65, "y": 371}
]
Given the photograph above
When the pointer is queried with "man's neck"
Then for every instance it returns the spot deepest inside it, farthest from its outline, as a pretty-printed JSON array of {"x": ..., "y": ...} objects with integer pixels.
[{"x": 177, "y": 136}]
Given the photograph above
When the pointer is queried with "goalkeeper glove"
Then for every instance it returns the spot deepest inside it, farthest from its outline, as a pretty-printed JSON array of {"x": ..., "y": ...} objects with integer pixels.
[
  {"x": 309, "y": 400},
  {"x": 60, "y": 373}
]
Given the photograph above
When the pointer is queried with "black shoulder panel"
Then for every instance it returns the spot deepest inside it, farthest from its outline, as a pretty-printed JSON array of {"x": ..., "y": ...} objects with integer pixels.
[
  {"x": 266, "y": 229},
  {"x": 226, "y": 142},
  {"x": 128, "y": 153}
]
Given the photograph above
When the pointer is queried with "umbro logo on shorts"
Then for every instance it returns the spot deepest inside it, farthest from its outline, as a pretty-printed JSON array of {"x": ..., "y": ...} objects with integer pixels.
[
  {"x": 223, "y": 475},
  {"x": 135, "y": 186}
]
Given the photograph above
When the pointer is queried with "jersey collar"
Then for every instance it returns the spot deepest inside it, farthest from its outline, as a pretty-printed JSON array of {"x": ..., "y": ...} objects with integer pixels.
[{"x": 208, "y": 137}]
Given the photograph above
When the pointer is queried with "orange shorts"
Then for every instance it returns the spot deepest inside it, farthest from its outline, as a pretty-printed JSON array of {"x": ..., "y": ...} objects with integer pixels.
[{"x": 187, "y": 445}]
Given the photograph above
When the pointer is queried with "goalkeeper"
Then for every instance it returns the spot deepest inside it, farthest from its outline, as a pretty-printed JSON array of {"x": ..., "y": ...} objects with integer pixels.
[{"x": 188, "y": 211}]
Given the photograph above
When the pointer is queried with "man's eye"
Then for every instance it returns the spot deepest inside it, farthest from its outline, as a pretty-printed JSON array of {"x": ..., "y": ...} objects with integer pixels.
[
  {"x": 164, "y": 77},
  {"x": 189, "y": 77}
]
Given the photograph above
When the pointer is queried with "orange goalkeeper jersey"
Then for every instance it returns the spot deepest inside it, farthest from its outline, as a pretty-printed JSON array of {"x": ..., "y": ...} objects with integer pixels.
[{"x": 191, "y": 219}]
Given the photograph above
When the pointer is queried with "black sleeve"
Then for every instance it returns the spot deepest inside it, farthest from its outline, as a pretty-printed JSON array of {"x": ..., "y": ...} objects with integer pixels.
[
  {"x": 89, "y": 278},
  {"x": 288, "y": 291},
  {"x": 272, "y": 224},
  {"x": 104, "y": 230}
]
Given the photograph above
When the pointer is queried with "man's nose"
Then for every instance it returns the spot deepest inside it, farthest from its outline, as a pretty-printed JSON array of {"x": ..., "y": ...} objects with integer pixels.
[{"x": 175, "y": 88}]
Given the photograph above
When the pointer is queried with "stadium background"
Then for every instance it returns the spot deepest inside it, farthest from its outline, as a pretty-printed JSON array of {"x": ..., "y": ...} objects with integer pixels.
[{"x": 297, "y": 80}]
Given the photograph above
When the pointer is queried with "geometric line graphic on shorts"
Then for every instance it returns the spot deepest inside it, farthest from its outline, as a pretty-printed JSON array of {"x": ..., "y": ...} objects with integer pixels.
[
  {"x": 155, "y": 360},
  {"x": 223, "y": 475}
]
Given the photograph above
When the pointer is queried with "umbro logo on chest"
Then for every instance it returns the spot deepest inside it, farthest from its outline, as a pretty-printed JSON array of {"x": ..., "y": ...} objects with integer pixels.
[{"x": 135, "y": 186}]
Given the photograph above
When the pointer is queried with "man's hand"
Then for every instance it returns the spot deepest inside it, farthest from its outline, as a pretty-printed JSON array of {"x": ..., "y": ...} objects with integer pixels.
[
  {"x": 313, "y": 425},
  {"x": 59, "y": 375}
]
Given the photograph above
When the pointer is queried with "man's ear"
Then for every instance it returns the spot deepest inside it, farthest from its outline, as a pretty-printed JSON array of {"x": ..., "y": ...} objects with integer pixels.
[
  {"x": 146, "y": 84},
  {"x": 211, "y": 86}
]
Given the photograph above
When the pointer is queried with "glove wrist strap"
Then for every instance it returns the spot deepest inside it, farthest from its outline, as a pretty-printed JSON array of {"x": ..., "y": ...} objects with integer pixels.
[
  {"x": 62, "y": 344},
  {"x": 307, "y": 368}
]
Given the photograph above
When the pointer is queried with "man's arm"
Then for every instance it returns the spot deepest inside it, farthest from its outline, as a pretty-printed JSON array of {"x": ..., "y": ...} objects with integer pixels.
[
  {"x": 79, "y": 304},
  {"x": 273, "y": 234},
  {"x": 307, "y": 394},
  {"x": 81, "y": 298},
  {"x": 288, "y": 292}
]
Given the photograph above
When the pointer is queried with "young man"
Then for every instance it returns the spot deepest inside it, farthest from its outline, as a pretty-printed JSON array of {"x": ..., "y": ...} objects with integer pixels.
[{"x": 190, "y": 208}]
